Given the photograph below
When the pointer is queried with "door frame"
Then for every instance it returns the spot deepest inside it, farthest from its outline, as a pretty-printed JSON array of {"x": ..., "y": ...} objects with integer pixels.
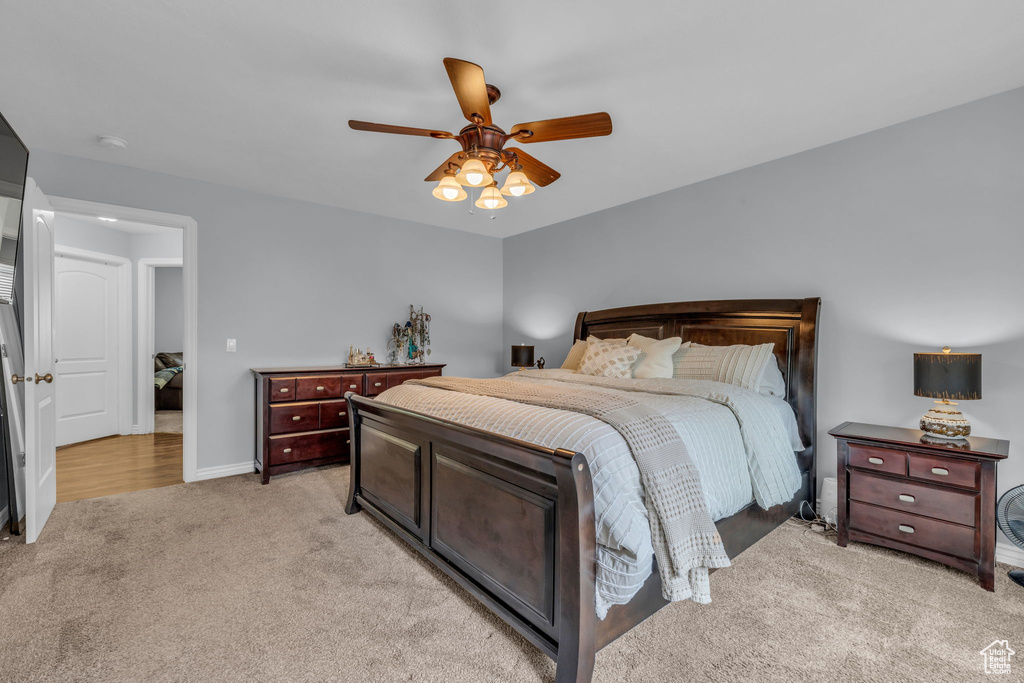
[
  {"x": 190, "y": 275},
  {"x": 124, "y": 326},
  {"x": 146, "y": 337}
]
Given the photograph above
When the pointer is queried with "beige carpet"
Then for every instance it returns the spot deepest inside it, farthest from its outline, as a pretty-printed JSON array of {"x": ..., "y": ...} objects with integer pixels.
[
  {"x": 228, "y": 580},
  {"x": 167, "y": 421}
]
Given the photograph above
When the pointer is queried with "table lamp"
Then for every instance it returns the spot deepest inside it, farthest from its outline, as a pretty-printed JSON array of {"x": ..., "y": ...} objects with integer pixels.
[
  {"x": 522, "y": 357},
  {"x": 948, "y": 377}
]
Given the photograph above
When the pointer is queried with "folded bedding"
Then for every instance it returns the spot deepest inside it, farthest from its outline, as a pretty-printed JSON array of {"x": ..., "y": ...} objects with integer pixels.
[
  {"x": 162, "y": 378},
  {"x": 740, "y": 442}
]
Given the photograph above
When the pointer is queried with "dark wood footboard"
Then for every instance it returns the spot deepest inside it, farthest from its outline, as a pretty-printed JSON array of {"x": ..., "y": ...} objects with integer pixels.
[{"x": 511, "y": 522}]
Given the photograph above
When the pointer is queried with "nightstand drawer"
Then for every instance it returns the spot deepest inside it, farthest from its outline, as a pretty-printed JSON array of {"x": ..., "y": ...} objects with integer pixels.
[
  {"x": 945, "y": 470},
  {"x": 943, "y": 537},
  {"x": 879, "y": 459},
  {"x": 919, "y": 499}
]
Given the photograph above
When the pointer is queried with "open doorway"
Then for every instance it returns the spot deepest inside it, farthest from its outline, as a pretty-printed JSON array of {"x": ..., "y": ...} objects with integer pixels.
[{"x": 122, "y": 326}]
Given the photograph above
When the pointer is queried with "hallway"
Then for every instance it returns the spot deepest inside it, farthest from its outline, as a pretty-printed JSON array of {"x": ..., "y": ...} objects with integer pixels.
[{"x": 118, "y": 464}]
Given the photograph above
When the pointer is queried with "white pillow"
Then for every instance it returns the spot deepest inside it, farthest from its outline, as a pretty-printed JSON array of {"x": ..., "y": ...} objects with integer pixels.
[
  {"x": 738, "y": 364},
  {"x": 656, "y": 360},
  {"x": 609, "y": 359},
  {"x": 575, "y": 357},
  {"x": 772, "y": 382}
]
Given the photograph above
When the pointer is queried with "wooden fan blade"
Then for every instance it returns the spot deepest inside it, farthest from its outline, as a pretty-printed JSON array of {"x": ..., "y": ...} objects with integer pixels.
[
  {"x": 399, "y": 130},
  {"x": 439, "y": 171},
  {"x": 585, "y": 126},
  {"x": 468, "y": 82},
  {"x": 538, "y": 172}
]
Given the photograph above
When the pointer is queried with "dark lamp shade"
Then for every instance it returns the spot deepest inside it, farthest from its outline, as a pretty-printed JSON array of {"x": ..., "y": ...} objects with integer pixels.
[
  {"x": 949, "y": 376},
  {"x": 522, "y": 356}
]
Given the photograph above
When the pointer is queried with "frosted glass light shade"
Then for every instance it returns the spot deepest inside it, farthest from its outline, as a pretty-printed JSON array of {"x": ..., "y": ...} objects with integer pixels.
[
  {"x": 517, "y": 185},
  {"x": 474, "y": 174},
  {"x": 491, "y": 198},
  {"x": 449, "y": 190}
]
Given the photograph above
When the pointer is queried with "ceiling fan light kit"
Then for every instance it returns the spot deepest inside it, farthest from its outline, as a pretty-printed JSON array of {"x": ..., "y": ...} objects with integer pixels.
[{"x": 483, "y": 144}]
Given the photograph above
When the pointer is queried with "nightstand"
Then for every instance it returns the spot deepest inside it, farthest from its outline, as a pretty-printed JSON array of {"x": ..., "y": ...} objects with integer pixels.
[{"x": 930, "y": 497}]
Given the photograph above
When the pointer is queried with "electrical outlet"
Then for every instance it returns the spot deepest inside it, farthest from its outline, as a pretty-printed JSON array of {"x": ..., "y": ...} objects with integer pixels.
[{"x": 232, "y": 346}]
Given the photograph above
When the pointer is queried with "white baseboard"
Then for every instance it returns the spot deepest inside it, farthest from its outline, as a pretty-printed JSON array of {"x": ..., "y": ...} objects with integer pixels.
[
  {"x": 1007, "y": 554},
  {"x": 225, "y": 471}
]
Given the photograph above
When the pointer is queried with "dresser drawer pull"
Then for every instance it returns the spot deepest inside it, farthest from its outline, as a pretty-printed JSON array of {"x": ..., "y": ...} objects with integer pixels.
[
  {"x": 351, "y": 386},
  {"x": 376, "y": 384},
  {"x": 341, "y": 414},
  {"x": 319, "y": 388},
  {"x": 348, "y": 441},
  {"x": 287, "y": 450},
  {"x": 906, "y": 529},
  {"x": 875, "y": 461},
  {"x": 941, "y": 471},
  {"x": 284, "y": 390},
  {"x": 296, "y": 418},
  {"x": 906, "y": 499}
]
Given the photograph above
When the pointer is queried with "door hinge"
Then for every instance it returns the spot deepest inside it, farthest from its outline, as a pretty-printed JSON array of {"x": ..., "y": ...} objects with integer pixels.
[
  {"x": 21, "y": 459},
  {"x": 3, "y": 350}
]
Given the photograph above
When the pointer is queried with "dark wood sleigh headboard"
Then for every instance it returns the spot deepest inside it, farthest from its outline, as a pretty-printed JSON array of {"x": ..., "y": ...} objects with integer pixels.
[{"x": 791, "y": 324}]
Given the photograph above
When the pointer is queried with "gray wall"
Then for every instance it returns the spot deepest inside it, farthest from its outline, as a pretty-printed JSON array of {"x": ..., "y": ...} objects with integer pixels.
[
  {"x": 912, "y": 235},
  {"x": 169, "y": 313},
  {"x": 297, "y": 283}
]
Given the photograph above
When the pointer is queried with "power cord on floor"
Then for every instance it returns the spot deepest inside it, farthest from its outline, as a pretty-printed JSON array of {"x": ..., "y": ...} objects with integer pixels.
[{"x": 815, "y": 523}]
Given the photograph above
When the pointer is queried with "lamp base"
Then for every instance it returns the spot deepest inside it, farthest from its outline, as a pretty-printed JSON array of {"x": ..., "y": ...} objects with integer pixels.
[{"x": 945, "y": 421}]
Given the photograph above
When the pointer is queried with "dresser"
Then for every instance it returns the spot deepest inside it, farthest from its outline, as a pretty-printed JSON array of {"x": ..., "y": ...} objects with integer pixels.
[
  {"x": 302, "y": 415},
  {"x": 934, "y": 498}
]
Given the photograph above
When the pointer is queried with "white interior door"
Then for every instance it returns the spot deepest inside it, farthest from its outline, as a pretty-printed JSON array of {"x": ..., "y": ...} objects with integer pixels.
[
  {"x": 40, "y": 408},
  {"x": 86, "y": 326}
]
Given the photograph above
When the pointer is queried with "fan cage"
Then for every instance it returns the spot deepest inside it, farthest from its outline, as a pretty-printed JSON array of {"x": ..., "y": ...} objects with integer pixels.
[{"x": 1010, "y": 515}]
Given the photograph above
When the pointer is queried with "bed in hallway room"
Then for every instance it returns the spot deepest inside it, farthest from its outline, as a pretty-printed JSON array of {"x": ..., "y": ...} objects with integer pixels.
[{"x": 575, "y": 503}]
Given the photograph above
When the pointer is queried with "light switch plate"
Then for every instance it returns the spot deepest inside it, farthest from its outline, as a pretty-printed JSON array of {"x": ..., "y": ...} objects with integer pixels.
[{"x": 232, "y": 346}]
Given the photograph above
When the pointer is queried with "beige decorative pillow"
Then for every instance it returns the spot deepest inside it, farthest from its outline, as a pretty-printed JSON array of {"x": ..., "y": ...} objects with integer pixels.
[
  {"x": 739, "y": 364},
  {"x": 609, "y": 359},
  {"x": 656, "y": 359},
  {"x": 618, "y": 341},
  {"x": 575, "y": 357}
]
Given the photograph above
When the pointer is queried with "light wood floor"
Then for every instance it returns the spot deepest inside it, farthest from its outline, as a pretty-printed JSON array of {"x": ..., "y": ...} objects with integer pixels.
[{"x": 118, "y": 464}]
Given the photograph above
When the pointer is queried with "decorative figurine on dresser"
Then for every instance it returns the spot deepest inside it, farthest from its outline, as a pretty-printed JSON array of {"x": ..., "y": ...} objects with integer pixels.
[
  {"x": 302, "y": 415},
  {"x": 925, "y": 492}
]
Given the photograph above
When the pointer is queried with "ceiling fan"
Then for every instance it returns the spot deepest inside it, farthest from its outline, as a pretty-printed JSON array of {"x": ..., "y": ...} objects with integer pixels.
[{"x": 483, "y": 143}]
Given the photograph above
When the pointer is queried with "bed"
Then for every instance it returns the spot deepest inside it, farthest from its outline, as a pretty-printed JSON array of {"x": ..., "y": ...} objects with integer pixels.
[
  {"x": 514, "y": 522},
  {"x": 169, "y": 381}
]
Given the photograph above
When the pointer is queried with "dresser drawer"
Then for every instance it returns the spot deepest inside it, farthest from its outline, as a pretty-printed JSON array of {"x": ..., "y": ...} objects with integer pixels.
[
  {"x": 333, "y": 414},
  {"x": 878, "y": 459},
  {"x": 920, "y": 499},
  {"x": 943, "y": 537},
  {"x": 294, "y": 417},
  {"x": 286, "y": 449},
  {"x": 320, "y": 386},
  {"x": 963, "y": 473},
  {"x": 282, "y": 389},
  {"x": 397, "y": 378},
  {"x": 376, "y": 383},
  {"x": 353, "y": 383}
]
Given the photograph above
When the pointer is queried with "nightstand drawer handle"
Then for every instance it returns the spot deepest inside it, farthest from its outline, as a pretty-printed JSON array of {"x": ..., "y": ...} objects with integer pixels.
[
  {"x": 906, "y": 499},
  {"x": 376, "y": 384},
  {"x": 875, "y": 461},
  {"x": 906, "y": 529},
  {"x": 351, "y": 386},
  {"x": 319, "y": 388},
  {"x": 341, "y": 414},
  {"x": 287, "y": 450},
  {"x": 284, "y": 390},
  {"x": 296, "y": 418},
  {"x": 348, "y": 441},
  {"x": 942, "y": 471}
]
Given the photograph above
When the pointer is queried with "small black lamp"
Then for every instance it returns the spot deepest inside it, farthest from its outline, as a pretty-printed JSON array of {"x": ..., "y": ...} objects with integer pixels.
[
  {"x": 522, "y": 357},
  {"x": 947, "y": 376}
]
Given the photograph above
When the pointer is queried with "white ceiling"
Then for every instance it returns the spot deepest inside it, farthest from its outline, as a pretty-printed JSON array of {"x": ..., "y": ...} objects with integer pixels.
[{"x": 256, "y": 94}]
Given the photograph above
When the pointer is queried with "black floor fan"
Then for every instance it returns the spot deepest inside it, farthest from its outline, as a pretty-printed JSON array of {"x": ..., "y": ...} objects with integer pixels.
[{"x": 1010, "y": 515}]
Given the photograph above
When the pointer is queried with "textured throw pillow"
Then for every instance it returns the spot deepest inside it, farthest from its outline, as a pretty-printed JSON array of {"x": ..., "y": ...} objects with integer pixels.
[
  {"x": 739, "y": 364},
  {"x": 656, "y": 359},
  {"x": 575, "y": 357},
  {"x": 609, "y": 359}
]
